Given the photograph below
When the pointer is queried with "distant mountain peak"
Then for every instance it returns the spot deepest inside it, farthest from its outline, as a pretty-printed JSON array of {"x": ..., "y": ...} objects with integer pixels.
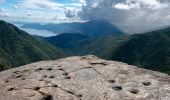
[
  {"x": 2, "y": 21},
  {"x": 89, "y": 28}
]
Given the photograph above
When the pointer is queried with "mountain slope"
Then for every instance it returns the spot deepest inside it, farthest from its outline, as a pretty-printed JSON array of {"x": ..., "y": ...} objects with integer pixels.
[
  {"x": 150, "y": 50},
  {"x": 101, "y": 46},
  {"x": 90, "y": 28},
  {"x": 18, "y": 48},
  {"x": 64, "y": 40}
]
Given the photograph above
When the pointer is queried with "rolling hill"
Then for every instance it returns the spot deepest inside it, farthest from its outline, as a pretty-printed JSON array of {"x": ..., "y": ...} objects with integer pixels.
[{"x": 18, "y": 47}]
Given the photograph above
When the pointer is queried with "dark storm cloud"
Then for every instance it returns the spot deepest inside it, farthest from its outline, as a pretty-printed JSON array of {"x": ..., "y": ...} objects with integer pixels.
[{"x": 134, "y": 16}]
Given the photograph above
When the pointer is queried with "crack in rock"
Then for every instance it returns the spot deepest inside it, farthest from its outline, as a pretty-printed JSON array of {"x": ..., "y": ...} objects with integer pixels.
[
  {"x": 46, "y": 96},
  {"x": 11, "y": 88},
  {"x": 88, "y": 79},
  {"x": 98, "y": 63},
  {"x": 72, "y": 93}
]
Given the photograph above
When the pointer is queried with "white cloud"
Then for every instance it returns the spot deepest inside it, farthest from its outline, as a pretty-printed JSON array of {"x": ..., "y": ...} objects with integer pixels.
[
  {"x": 131, "y": 15},
  {"x": 48, "y": 4},
  {"x": 4, "y": 13},
  {"x": 82, "y": 1},
  {"x": 40, "y": 4},
  {"x": 134, "y": 16},
  {"x": 126, "y": 6},
  {"x": 29, "y": 14},
  {"x": 2, "y": 1},
  {"x": 15, "y": 6},
  {"x": 42, "y": 10},
  {"x": 52, "y": 8},
  {"x": 138, "y": 4},
  {"x": 70, "y": 13}
]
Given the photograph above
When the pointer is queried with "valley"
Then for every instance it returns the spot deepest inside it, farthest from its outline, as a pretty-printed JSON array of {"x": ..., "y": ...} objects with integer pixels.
[{"x": 148, "y": 50}]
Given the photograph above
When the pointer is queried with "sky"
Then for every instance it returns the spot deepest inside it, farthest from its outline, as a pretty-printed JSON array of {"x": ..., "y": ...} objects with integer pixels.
[{"x": 133, "y": 16}]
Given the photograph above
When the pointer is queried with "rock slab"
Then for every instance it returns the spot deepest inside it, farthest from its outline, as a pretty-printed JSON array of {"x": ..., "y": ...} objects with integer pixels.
[{"x": 83, "y": 78}]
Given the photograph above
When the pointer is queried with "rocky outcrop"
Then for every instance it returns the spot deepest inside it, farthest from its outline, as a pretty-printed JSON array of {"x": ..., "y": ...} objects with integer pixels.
[{"x": 83, "y": 78}]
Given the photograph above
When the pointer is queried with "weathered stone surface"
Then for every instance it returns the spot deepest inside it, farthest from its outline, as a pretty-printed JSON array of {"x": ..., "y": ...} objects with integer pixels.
[{"x": 83, "y": 78}]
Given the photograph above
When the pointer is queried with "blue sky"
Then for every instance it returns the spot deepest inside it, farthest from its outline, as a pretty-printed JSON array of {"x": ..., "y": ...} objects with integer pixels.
[
  {"x": 39, "y": 10},
  {"x": 133, "y": 16}
]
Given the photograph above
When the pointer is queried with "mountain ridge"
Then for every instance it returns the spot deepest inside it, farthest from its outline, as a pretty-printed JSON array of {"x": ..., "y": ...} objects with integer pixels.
[
  {"x": 18, "y": 47},
  {"x": 89, "y": 28}
]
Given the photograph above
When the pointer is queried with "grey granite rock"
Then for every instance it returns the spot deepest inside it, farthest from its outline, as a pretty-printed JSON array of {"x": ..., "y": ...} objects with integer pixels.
[{"x": 83, "y": 78}]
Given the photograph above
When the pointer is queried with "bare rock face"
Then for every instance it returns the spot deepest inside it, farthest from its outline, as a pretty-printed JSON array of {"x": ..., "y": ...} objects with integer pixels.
[{"x": 83, "y": 78}]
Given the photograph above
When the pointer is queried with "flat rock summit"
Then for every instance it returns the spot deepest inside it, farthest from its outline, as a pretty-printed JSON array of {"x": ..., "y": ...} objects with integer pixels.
[{"x": 83, "y": 78}]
